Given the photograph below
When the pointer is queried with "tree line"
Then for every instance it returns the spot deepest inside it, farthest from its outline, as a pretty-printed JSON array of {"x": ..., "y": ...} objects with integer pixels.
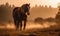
[
  {"x": 49, "y": 19},
  {"x": 6, "y": 13}
]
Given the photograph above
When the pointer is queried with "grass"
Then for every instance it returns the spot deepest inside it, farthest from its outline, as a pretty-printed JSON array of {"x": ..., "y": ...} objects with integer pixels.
[{"x": 51, "y": 31}]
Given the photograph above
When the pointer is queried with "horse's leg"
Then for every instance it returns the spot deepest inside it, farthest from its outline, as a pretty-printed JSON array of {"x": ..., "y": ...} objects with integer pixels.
[
  {"x": 24, "y": 24},
  {"x": 20, "y": 25},
  {"x": 17, "y": 24}
]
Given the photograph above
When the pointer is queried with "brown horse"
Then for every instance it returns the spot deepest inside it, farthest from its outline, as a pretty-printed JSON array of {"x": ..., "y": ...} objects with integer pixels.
[{"x": 20, "y": 14}]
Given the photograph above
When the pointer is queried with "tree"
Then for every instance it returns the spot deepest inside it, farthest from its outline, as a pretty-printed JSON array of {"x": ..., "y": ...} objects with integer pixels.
[
  {"x": 5, "y": 13},
  {"x": 39, "y": 20},
  {"x": 50, "y": 19},
  {"x": 57, "y": 17}
]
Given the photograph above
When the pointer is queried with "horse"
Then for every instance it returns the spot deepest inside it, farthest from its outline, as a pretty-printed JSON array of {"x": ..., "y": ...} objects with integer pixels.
[{"x": 20, "y": 14}]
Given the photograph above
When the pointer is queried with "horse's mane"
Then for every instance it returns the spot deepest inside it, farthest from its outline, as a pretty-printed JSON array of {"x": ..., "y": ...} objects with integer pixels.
[{"x": 24, "y": 6}]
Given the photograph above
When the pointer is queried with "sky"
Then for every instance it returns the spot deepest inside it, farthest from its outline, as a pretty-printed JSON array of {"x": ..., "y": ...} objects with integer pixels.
[{"x": 53, "y": 3}]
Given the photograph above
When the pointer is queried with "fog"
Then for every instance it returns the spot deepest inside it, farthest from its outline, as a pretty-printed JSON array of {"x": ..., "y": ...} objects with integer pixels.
[{"x": 30, "y": 25}]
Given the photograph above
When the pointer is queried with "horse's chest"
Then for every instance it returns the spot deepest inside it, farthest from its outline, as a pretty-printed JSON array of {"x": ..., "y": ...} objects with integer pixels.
[{"x": 23, "y": 16}]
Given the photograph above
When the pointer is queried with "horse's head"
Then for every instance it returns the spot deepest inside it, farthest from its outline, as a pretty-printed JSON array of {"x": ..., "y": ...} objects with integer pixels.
[{"x": 27, "y": 8}]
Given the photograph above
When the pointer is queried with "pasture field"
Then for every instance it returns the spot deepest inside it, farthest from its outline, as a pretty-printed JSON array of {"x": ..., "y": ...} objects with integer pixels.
[{"x": 36, "y": 30}]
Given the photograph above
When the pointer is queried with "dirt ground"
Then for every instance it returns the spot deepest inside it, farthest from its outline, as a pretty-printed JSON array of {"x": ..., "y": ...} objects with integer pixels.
[
  {"x": 51, "y": 31},
  {"x": 30, "y": 32}
]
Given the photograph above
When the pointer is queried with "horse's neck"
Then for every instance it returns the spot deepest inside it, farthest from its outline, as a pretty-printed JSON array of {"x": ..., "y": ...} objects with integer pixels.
[{"x": 22, "y": 10}]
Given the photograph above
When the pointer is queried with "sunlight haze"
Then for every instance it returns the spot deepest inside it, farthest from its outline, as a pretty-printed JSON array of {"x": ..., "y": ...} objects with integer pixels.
[{"x": 53, "y": 3}]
